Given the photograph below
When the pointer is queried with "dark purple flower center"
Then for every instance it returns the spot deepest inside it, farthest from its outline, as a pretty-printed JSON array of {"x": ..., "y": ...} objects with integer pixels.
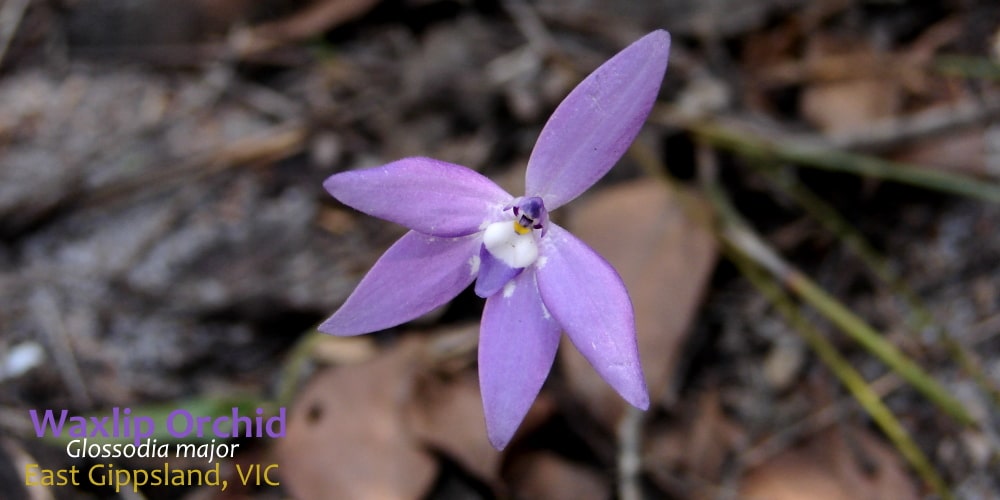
[{"x": 530, "y": 214}]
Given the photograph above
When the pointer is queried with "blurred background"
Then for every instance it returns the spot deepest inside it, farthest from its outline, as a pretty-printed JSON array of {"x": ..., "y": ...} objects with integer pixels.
[{"x": 807, "y": 226}]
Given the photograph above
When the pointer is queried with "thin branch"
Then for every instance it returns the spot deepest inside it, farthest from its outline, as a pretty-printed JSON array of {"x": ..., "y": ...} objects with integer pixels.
[
  {"x": 531, "y": 27},
  {"x": 11, "y": 14},
  {"x": 919, "y": 318},
  {"x": 852, "y": 380},
  {"x": 52, "y": 326},
  {"x": 743, "y": 139},
  {"x": 755, "y": 248},
  {"x": 275, "y": 143},
  {"x": 756, "y": 260},
  {"x": 893, "y": 132},
  {"x": 630, "y": 453},
  {"x": 967, "y": 67},
  {"x": 825, "y": 417}
]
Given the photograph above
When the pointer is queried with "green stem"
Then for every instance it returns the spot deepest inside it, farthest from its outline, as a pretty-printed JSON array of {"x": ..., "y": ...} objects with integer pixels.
[
  {"x": 865, "y": 335},
  {"x": 734, "y": 232},
  {"x": 841, "y": 368},
  {"x": 967, "y": 67},
  {"x": 753, "y": 145},
  {"x": 919, "y": 317}
]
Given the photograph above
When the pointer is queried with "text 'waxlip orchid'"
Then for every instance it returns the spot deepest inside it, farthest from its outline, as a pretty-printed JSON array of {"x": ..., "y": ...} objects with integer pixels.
[{"x": 537, "y": 278}]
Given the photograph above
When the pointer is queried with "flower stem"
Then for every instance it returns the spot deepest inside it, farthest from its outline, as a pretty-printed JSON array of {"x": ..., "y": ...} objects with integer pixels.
[
  {"x": 919, "y": 317},
  {"x": 736, "y": 234},
  {"x": 841, "y": 368},
  {"x": 751, "y": 144}
]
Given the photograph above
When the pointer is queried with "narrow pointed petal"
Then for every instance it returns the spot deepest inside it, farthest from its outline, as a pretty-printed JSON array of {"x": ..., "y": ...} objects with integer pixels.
[
  {"x": 415, "y": 275},
  {"x": 493, "y": 273},
  {"x": 591, "y": 129},
  {"x": 517, "y": 345},
  {"x": 423, "y": 194},
  {"x": 588, "y": 299}
]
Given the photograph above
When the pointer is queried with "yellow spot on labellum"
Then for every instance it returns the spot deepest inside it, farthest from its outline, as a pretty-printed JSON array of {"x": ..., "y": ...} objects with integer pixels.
[{"x": 519, "y": 229}]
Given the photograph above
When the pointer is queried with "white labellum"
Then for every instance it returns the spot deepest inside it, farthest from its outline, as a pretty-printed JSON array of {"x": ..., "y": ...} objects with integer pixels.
[{"x": 509, "y": 246}]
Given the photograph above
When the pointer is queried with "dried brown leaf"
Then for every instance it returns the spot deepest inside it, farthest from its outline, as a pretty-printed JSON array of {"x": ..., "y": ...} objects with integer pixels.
[
  {"x": 843, "y": 106},
  {"x": 346, "y": 436},
  {"x": 343, "y": 350},
  {"x": 446, "y": 413},
  {"x": 543, "y": 475},
  {"x": 665, "y": 260},
  {"x": 962, "y": 151},
  {"x": 311, "y": 20},
  {"x": 449, "y": 416},
  {"x": 851, "y": 86},
  {"x": 839, "y": 464},
  {"x": 697, "y": 447}
]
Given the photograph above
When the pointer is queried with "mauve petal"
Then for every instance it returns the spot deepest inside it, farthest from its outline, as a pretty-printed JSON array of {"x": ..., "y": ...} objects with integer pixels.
[
  {"x": 493, "y": 273},
  {"x": 591, "y": 129},
  {"x": 517, "y": 344},
  {"x": 415, "y": 275},
  {"x": 588, "y": 299},
  {"x": 423, "y": 194}
]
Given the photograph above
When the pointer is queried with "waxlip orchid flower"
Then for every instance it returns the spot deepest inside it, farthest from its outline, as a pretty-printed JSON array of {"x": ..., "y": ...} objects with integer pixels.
[{"x": 537, "y": 278}]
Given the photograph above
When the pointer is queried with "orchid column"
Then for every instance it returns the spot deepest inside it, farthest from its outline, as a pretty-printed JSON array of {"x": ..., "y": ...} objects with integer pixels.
[{"x": 537, "y": 278}]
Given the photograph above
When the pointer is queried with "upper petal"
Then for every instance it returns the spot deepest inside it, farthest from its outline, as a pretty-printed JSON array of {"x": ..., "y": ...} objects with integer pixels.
[
  {"x": 517, "y": 344},
  {"x": 591, "y": 129},
  {"x": 415, "y": 275},
  {"x": 423, "y": 194},
  {"x": 588, "y": 299}
]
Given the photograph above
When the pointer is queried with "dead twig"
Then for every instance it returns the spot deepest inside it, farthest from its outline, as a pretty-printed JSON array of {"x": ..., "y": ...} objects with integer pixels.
[
  {"x": 11, "y": 14},
  {"x": 743, "y": 138},
  {"x": 531, "y": 26},
  {"x": 827, "y": 416},
  {"x": 752, "y": 247},
  {"x": 630, "y": 453},
  {"x": 308, "y": 22},
  {"x": 919, "y": 318},
  {"x": 273, "y": 144},
  {"x": 938, "y": 120},
  {"x": 53, "y": 329},
  {"x": 855, "y": 383}
]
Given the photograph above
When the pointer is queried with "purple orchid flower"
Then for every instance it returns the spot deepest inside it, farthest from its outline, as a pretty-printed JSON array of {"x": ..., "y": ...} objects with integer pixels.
[{"x": 537, "y": 278}]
